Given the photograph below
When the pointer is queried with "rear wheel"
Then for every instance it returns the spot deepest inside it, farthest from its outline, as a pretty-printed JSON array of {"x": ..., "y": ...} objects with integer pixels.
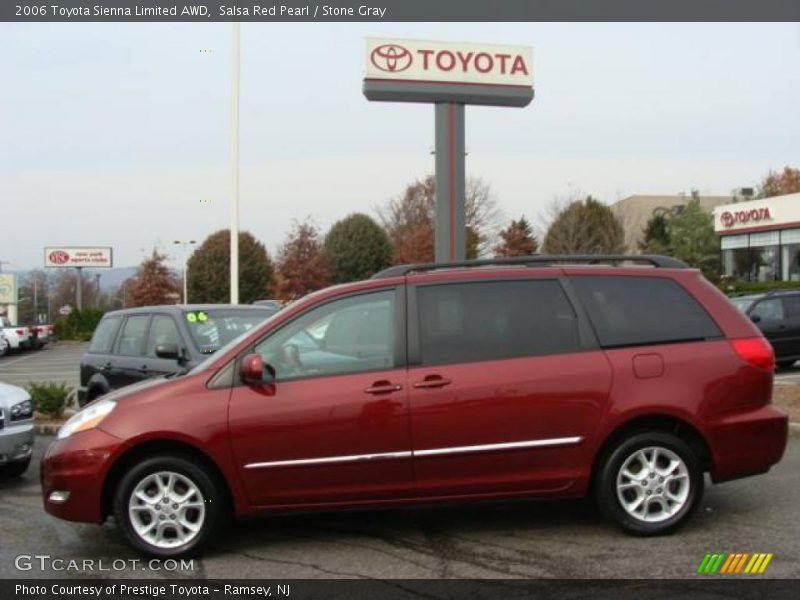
[
  {"x": 169, "y": 506},
  {"x": 649, "y": 483}
]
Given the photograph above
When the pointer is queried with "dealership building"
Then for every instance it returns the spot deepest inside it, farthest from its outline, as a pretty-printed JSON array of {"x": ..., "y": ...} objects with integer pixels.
[{"x": 760, "y": 239}]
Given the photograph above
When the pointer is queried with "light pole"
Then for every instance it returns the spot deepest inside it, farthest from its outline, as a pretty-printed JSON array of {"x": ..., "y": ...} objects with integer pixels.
[
  {"x": 234, "y": 266},
  {"x": 185, "y": 244}
]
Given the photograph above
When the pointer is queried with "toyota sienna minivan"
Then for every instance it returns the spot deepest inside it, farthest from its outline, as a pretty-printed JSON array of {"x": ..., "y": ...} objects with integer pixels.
[{"x": 622, "y": 378}]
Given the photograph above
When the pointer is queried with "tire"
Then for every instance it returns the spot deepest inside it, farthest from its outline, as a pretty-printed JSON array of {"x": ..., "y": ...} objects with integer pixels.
[
  {"x": 785, "y": 364},
  {"x": 14, "y": 469},
  {"x": 655, "y": 505},
  {"x": 206, "y": 507},
  {"x": 5, "y": 348}
]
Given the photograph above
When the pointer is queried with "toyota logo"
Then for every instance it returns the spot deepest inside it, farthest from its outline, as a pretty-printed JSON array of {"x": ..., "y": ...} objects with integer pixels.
[
  {"x": 58, "y": 257},
  {"x": 391, "y": 58},
  {"x": 727, "y": 219}
]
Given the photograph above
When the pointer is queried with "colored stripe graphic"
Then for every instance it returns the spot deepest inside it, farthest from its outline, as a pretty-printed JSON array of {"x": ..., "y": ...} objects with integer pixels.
[{"x": 734, "y": 562}]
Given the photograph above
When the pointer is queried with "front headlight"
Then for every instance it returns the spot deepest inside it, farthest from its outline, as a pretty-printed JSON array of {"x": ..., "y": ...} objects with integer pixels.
[
  {"x": 88, "y": 418},
  {"x": 21, "y": 410}
]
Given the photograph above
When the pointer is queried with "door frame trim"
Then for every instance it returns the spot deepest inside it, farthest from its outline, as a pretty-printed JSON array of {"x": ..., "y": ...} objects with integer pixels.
[{"x": 543, "y": 443}]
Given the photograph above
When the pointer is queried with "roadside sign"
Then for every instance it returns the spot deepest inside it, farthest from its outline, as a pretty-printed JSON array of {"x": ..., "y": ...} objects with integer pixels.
[{"x": 93, "y": 257}]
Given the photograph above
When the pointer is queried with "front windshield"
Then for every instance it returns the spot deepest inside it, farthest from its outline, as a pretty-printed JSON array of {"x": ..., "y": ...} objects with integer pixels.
[{"x": 214, "y": 328}]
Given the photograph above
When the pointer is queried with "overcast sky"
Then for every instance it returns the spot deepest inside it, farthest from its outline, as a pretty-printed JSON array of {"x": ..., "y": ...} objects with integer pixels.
[{"x": 118, "y": 134}]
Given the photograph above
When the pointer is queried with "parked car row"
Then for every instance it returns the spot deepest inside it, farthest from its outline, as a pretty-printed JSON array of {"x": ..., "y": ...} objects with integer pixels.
[
  {"x": 777, "y": 316},
  {"x": 16, "y": 338},
  {"x": 527, "y": 377}
]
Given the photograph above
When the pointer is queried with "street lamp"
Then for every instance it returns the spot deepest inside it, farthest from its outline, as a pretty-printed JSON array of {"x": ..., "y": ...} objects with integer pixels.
[{"x": 185, "y": 244}]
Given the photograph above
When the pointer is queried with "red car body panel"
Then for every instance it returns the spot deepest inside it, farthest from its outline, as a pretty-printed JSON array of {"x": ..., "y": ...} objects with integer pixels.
[{"x": 385, "y": 443}]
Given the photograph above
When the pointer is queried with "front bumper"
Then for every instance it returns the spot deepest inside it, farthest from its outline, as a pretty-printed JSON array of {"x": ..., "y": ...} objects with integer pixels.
[
  {"x": 78, "y": 465},
  {"x": 747, "y": 443},
  {"x": 16, "y": 442}
]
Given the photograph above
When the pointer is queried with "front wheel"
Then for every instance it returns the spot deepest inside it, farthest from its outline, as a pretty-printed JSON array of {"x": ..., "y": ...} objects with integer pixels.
[
  {"x": 15, "y": 469},
  {"x": 649, "y": 483},
  {"x": 169, "y": 506}
]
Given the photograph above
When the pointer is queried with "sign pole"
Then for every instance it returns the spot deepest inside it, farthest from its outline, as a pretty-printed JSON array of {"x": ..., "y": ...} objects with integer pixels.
[
  {"x": 78, "y": 290},
  {"x": 450, "y": 183},
  {"x": 234, "y": 249}
]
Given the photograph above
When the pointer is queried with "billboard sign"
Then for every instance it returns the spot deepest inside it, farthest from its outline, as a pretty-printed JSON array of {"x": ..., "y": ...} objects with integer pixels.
[
  {"x": 448, "y": 62},
  {"x": 93, "y": 257}
]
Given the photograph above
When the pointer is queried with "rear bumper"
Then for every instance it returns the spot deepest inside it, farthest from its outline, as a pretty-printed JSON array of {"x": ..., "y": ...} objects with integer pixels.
[
  {"x": 747, "y": 443},
  {"x": 16, "y": 443},
  {"x": 77, "y": 467}
]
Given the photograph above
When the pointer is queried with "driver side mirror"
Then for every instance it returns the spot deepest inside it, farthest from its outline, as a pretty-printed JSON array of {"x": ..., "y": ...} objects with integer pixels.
[
  {"x": 755, "y": 318},
  {"x": 168, "y": 351},
  {"x": 254, "y": 371}
]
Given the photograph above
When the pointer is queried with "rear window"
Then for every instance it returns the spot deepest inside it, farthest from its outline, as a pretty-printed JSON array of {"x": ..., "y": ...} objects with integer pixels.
[
  {"x": 104, "y": 335},
  {"x": 636, "y": 311},
  {"x": 212, "y": 329}
]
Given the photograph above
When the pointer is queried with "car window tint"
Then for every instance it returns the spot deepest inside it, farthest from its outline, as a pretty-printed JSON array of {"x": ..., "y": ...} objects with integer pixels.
[
  {"x": 491, "y": 320},
  {"x": 769, "y": 310},
  {"x": 162, "y": 331},
  {"x": 131, "y": 338},
  {"x": 350, "y": 335},
  {"x": 791, "y": 305},
  {"x": 629, "y": 311},
  {"x": 103, "y": 336}
]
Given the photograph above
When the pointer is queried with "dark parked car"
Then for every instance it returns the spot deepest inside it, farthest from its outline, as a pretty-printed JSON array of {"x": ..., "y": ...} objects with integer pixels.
[
  {"x": 777, "y": 315},
  {"x": 140, "y": 343},
  {"x": 527, "y": 377}
]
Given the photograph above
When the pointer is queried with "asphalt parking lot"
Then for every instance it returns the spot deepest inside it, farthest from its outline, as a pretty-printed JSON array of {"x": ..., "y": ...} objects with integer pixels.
[
  {"x": 521, "y": 539},
  {"x": 56, "y": 362}
]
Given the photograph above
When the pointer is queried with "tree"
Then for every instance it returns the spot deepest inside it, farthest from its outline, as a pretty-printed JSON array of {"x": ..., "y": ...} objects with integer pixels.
[
  {"x": 656, "y": 236},
  {"x": 584, "y": 227},
  {"x": 208, "y": 270},
  {"x": 691, "y": 232},
  {"x": 517, "y": 239},
  {"x": 777, "y": 184},
  {"x": 409, "y": 220},
  {"x": 153, "y": 283},
  {"x": 302, "y": 263},
  {"x": 357, "y": 248}
]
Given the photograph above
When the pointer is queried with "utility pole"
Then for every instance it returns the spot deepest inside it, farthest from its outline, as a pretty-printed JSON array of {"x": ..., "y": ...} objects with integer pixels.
[
  {"x": 78, "y": 290},
  {"x": 235, "y": 68}
]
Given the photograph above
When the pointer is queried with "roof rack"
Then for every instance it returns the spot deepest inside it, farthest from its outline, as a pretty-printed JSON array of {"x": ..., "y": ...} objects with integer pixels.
[{"x": 538, "y": 260}]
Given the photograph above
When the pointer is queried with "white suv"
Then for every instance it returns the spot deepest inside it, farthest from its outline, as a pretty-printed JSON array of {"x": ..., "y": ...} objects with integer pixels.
[{"x": 16, "y": 430}]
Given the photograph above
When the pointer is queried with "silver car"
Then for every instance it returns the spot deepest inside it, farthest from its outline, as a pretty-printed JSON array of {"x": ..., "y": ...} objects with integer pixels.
[{"x": 16, "y": 430}]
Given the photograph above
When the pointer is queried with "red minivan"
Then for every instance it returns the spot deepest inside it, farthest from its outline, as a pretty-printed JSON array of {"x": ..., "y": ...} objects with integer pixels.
[{"x": 625, "y": 378}]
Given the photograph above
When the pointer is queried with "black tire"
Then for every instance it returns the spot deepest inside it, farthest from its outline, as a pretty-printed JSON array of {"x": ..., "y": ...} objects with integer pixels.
[
  {"x": 785, "y": 364},
  {"x": 609, "y": 469},
  {"x": 14, "y": 469},
  {"x": 214, "y": 502}
]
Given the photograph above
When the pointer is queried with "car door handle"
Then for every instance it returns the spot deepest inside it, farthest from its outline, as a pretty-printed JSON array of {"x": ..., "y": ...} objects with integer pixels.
[
  {"x": 383, "y": 387},
  {"x": 433, "y": 381}
]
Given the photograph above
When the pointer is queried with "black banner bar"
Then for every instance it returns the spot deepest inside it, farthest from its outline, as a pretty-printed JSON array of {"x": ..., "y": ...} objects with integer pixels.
[
  {"x": 400, "y": 10},
  {"x": 702, "y": 588}
]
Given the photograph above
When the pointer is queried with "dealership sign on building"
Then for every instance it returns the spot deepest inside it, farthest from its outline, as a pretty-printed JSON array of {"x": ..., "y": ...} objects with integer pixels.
[
  {"x": 94, "y": 257},
  {"x": 777, "y": 212}
]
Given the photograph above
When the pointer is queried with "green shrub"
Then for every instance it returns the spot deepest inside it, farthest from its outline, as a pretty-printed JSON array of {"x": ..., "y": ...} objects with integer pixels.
[
  {"x": 733, "y": 288},
  {"x": 49, "y": 398},
  {"x": 78, "y": 325}
]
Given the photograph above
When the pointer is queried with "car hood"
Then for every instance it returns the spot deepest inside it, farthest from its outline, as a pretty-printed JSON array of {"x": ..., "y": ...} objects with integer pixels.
[
  {"x": 12, "y": 394},
  {"x": 134, "y": 389}
]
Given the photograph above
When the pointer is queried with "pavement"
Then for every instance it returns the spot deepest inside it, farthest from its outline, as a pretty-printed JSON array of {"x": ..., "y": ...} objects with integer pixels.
[
  {"x": 526, "y": 539},
  {"x": 55, "y": 362}
]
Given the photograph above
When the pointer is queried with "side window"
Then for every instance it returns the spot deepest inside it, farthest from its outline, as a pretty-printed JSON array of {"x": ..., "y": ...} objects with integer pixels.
[
  {"x": 633, "y": 311},
  {"x": 466, "y": 322},
  {"x": 131, "y": 338},
  {"x": 162, "y": 331},
  {"x": 769, "y": 310},
  {"x": 792, "y": 306},
  {"x": 343, "y": 336},
  {"x": 103, "y": 336}
]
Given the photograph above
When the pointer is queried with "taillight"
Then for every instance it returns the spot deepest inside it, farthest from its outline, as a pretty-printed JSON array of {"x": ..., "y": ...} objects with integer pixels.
[
  {"x": 20, "y": 332},
  {"x": 755, "y": 351}
]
